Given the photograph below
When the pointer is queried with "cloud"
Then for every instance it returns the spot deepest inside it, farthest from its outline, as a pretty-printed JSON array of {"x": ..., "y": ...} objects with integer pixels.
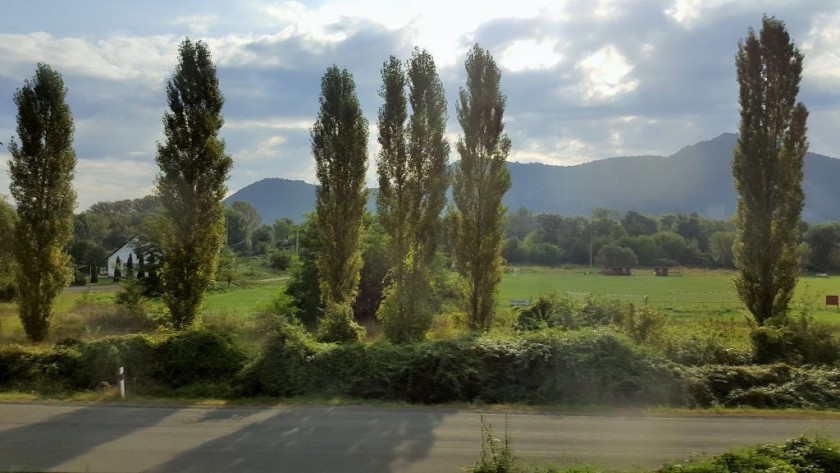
[
  {"x": 606, "y": 74},
  {"x": 198, "y": 24},
  {"x": 583, "y": 79}
]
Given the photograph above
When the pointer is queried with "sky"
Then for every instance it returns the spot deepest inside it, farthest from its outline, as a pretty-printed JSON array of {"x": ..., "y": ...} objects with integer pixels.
[{"x": 584, "y": 79}]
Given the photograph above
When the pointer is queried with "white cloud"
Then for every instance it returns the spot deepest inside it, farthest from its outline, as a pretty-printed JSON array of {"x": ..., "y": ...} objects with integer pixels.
[
  {"x": 118, "y": 58},
  {"x": 605, "y": 74},
  {"x": 527, "y": 54},
  {"x": 111, "y": 179},
  {"x": 822, "y": 58},
  {"x": 686, "y": 12},
  {"x": 198, "y": 24}
]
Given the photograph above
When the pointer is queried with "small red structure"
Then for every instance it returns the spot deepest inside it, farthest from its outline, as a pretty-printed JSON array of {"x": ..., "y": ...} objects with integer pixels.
[
  {"x": 660, "y": 270},
  {"x": 832, "y": 300}
]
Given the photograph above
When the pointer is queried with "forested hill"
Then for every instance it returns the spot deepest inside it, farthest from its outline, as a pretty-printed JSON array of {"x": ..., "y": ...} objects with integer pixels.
[{"x": 698, "y": 178}]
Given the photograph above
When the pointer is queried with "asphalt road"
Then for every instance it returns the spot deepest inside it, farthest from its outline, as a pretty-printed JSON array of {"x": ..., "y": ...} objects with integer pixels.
[{"x": 96, "y": 438}]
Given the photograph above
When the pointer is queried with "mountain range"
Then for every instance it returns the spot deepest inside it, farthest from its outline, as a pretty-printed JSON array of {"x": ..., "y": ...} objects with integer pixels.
[{"x": 697, "y": 178}]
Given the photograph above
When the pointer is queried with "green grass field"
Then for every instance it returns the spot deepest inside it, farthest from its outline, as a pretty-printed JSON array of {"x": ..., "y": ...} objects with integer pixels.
[
  {"x": 689, "y": 296},
  {"x": 688, "y": 293}
]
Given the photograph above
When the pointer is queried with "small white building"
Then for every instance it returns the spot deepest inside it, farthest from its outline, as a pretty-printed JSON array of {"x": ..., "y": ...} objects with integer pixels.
[{"x": 128, "y": 249}]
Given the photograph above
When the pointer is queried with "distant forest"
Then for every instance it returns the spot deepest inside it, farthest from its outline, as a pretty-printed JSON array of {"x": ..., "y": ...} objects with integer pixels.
[{"x": 606, "y": 238}]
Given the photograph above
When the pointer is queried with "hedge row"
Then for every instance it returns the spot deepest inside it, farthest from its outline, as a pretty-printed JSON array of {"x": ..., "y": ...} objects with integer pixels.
[
  {"x": 592, "y": 366},
  {"x": 180, "y": 360}
]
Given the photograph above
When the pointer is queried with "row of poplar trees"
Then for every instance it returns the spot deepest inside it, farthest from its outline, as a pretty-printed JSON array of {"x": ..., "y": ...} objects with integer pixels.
[
  {"x": 191, "y": 185},
  {"x": 413, "y": 176}
]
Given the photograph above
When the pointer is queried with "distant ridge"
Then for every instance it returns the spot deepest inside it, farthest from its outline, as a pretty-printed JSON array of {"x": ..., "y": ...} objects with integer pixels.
[{"x": 697, "y": 178}]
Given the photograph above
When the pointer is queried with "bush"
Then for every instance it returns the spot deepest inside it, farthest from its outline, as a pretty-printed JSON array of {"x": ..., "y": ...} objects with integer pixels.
[
  {"x": 338, "y": 325},
  {"x": 589, "y": 367},
  {"x": 800, "y": 341},
  {"x": 79, "y": 279},
  {"x": 776, "y": 386},
  {"x": 284, "y": 366},
  {"x": 197, "y": 356},
  {"x": 101, "y": 359},
  {"x": 803, "y": 454},
  {"x": 26, "y": 369},
  {"x": 8, "y": 290},
  {"x": 704, "y": 346},
  {"x": 132, "y": 296},
  {"x": 548, "y": 312},
  {"x": 280, "y": 260}
]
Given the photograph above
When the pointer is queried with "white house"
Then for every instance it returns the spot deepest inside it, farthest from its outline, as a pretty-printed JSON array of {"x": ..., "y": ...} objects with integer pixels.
[{"x": 128, "y": 249}]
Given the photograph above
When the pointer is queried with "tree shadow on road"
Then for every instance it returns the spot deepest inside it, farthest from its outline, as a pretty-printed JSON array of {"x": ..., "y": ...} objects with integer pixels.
[
  {"x": 316, "y": 439},
  {"x": 53, "y": 440}
]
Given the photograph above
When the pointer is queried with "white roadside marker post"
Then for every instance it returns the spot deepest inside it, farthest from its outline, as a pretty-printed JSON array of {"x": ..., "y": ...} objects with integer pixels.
[{"x": 122, "y": 382}]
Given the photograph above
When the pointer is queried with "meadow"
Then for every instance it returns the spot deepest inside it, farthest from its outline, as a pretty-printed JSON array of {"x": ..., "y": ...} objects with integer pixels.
[{"x": 689, "y": 296}]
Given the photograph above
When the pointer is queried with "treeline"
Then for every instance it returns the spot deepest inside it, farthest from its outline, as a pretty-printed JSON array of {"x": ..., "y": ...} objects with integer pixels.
[{"x": 607, "y": 238}]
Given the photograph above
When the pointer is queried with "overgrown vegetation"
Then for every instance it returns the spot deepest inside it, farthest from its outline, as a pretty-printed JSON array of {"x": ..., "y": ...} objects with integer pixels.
[{"x": 801, "y": 455}]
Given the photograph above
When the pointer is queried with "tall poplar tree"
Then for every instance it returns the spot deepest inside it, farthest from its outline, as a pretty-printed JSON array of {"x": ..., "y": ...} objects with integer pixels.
[
  {"x": 412, "y": 187},
  {"x": 480, "y": 181},
  {"x": 339, "y": 145},
  {"x": 767, "y": 167},
  {"x": 41, "y": 171},
  {"x": 191, "y": 184}
]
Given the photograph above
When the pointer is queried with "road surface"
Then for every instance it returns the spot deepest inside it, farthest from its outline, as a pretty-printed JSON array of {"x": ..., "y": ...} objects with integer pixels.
[{"x": 98, "y": 438}]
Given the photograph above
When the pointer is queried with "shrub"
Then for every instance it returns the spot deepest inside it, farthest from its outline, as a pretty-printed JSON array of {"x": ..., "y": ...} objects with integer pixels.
[
  {"x": 79, "y": 279},
  {"x": 548, "y": 312},
  {"x": 596, "y": 312},
  {"x": 132, "y": 296},
  {"x": 802, "y": 454},
  {"x": 704, "y": 346},
  {"x": 280, "y": 260},
  {"x": 799, "y": 341},
  {"x": 101, "y": 359},
  {"x": 26, "y": 369},
  {"x": 284, "y": 367},
  {"x": 774, "y": 386},
  {"x": 338, "y": 325},
  {"x": 8, "y": 290},
  {"x": 197, "y": 356}
]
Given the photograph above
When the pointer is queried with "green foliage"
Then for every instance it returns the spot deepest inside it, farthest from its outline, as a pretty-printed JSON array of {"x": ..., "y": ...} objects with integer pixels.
[
  {"x": 613, "y": 255},
  {"x": 283, "y": 367},
  {"x": 23, "y": 369},
  {"x": 8, "y": 290},
  {"x": 412, "y": 185},
  {"x": 198, "y": 356},
  {"x": 480, "y": 181},
  {"x": 41, "y": 172},
  {"x": 280, "y": 260},
  {"x": 769, "y": 386},
  {"x": 374, "y": 271},
  {"x": 339, "y": 325},
  {"x": 496, "y": 454},
  {"x": 798, "y": 340},
  {"x": 704, "y": 346},
  {"x": 548, "y": 312},
  {"x": 101, "y": 359},
  {"x": 303, "y": 286},
  {"x": 767, "y": 167},
  {"x": 800, "y": 455},
  {"x": 8, "y": 220},
  {"x": 191, "y": 184},
  {"x": 407, "y": 307},
  {"x": 339, "y": 144},
  {"x": 585, "y": 367},
  {"x": 133, "y": 295}
]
